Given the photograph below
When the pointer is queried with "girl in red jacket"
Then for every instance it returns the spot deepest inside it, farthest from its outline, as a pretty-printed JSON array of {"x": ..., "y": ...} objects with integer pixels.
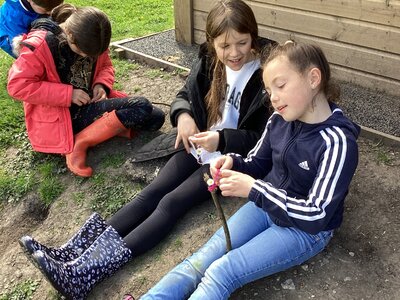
[{"x": 64, "y": 76}]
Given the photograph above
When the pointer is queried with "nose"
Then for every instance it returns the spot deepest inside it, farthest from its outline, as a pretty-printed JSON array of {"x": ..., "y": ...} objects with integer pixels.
[
  {"x": 273, "y": 97},
  {"x": 234, "y": 51}
]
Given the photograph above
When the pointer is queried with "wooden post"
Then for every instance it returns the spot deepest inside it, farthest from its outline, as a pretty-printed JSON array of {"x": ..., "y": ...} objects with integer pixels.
[{"x": 183, "y": 11}]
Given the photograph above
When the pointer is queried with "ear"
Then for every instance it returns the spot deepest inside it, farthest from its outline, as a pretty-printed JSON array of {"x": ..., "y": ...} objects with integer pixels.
[{"x": 314, "y": 77}]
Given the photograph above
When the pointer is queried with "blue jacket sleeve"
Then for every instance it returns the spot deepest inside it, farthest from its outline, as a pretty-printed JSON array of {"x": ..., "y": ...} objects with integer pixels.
[{"x": 337, "y": 165}]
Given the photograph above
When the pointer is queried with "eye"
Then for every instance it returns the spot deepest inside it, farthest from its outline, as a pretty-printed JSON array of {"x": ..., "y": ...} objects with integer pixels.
[{"x": 281, "y": 85}]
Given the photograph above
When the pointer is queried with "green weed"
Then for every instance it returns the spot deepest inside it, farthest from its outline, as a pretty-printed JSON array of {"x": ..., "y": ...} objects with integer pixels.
[
  {"x": 78, "y": 197},
  {"x": 178, "y": 243},
  {"x": 50, "y": 189},
  {"x": 383, "y": 156},
  {"x": 154, "y": 73},
  {"x": 113, "y": 160},
  {"x": 13, "y": 188},
  {"x": 22, "y": 291},
  {"x": 110, "y": 193}
]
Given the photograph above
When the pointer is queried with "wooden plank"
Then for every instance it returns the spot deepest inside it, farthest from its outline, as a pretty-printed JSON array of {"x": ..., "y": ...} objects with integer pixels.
[
  {"x": 371, "y": 81},
  {"x": 183, "y": 10},
  {"x": 374, "y": 62},
  {"x": 350, "y": 56},
  {"x": 369, "y": 35},
  {"x": 374, "y": 11},
  {"x": 375, "y": 83}
]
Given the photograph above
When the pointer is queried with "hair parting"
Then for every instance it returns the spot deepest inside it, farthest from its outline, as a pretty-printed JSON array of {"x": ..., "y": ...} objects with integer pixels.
[{"x": 225, "y": 15}]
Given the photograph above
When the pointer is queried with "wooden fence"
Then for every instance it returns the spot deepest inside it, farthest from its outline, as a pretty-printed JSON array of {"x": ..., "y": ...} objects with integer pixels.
[{"x": 361, "y": 38}]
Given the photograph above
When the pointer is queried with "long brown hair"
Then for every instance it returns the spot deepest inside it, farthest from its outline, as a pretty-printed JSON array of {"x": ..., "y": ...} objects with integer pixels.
[
  {"x": 225, "y": 15},
  {"x": 304, "y": 56},
  {"x": 88, "y": 26}
]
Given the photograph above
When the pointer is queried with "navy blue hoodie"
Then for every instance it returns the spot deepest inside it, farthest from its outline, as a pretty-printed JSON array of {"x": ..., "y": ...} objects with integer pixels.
[{"x": 303, "y": 171}]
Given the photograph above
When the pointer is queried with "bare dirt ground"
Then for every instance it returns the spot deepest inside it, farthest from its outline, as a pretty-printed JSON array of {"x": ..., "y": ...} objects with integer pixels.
[{"x": 361, "y": 262}]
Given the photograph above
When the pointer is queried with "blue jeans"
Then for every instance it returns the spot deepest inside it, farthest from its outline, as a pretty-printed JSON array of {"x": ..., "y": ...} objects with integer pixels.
[{"x": 260, "y": 249}]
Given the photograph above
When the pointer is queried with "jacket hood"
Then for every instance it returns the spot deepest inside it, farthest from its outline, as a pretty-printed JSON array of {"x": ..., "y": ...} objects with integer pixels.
[{"x": 47, "y": 24}]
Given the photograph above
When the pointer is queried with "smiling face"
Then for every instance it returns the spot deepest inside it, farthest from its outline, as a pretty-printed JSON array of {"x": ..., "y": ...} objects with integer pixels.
[
  {"x": 233, "y": 49},
  {"x": 291, "y": 93}
]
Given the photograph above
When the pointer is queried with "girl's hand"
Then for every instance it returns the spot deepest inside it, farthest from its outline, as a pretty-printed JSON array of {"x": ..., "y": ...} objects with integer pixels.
[
  {"x": 186, "y": 127},
  {"x": 207, "y": 140},
  {"x": 99, "y": 93},
  {"x": 79, "y": 97},
  {"x": 221, "y": 163},
  {"x": 235, "y": 184}
]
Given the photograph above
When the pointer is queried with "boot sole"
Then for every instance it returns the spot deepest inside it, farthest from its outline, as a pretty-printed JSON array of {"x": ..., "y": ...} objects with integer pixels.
[
  {"x": 28, "y": 254},
  {"x": 48, "y": 277}
]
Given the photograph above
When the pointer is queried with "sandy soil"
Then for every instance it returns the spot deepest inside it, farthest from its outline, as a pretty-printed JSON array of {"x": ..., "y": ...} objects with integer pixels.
[{"x": 361, "y": 262}]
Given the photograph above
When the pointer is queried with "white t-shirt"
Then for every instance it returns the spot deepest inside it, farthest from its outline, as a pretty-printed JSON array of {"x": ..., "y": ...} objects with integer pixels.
[{"x": 236, "y": 82}]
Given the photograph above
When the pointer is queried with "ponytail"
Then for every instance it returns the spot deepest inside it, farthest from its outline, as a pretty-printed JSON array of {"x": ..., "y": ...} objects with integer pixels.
[{"x": 62, "y": 12}]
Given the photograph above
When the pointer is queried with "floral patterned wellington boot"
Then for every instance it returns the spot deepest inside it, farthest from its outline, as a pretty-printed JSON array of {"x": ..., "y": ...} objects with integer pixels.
[
  {"x": 72, "y": 249},
  {"x": 76, "y": 278}
]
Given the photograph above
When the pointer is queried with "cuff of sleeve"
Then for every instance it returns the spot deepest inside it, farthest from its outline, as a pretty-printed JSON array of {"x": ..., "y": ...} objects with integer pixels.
[
  {"x": 221, "y": 142},
  {"x": 254, "y": 195}
]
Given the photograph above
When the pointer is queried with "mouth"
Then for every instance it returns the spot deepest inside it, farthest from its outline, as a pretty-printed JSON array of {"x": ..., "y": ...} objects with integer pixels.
[
  {"x": 235, "y": 61},
  {"x": 281, "y": 108}
]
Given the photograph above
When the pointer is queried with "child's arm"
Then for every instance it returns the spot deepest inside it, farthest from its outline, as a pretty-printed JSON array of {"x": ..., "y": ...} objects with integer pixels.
[
  {"x": 315, "y": 211},
  {"x": 104, "y": 74},
  {"x": 258, "y": 162},
  {"x": 235, "y": 184},
  {"x": 33, "y": 80}
]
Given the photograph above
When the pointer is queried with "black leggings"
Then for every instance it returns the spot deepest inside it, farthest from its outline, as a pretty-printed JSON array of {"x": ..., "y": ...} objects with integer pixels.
[
  {"x": 151, "y": 215},
  {"x": 133, "y": 112}
]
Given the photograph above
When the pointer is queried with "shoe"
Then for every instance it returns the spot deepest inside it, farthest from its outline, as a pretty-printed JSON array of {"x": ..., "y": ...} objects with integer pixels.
[
  {"x": 72, "y": 249},
  {"x": 75, "y": 279},
  {"x": 104, "y": 128}
]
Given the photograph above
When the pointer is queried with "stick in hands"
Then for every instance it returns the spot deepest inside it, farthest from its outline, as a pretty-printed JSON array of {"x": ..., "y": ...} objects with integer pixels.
[{"x": 231, "y": 183}]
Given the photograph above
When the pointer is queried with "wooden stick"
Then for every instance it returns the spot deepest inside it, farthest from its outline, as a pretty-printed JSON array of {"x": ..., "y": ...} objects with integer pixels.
[
  {"x": 223, "y": 220},
  {"x": 212, "y": 187}
]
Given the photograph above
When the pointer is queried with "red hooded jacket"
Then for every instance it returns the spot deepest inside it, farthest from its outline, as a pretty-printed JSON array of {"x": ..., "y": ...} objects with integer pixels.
[{"x": 33, "y": 79}]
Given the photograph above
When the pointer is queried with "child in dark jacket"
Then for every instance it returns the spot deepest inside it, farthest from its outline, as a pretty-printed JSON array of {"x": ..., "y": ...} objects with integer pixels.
[
  {"x": 296, "y": 179},
  {"x": 16, "y": 17}
]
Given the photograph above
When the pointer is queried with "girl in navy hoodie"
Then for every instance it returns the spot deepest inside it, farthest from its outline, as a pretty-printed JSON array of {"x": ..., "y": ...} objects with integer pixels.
[{"x": 296, "y": 179}]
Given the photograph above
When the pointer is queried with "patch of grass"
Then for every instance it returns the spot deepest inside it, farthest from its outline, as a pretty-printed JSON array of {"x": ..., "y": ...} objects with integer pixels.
[
  {"x": 178, "y": 243},
  {"x": 49, "y": 190},
  {"x": 113, "y": 160},
  {"x": 13, "y": 188},
  {"x": 154, "y": 73},
  {"x": 79, "y": 197},
  {"x": 12, "y": 116},
  {"x": 110, "y": 193},
  {"x": 211, "y": 216},
  {"x": 22, "y": 291},
  {"x": 124, "y": 67},
  {"x": 142, "y": 280},
  {"x": 383, "y": 156},
  {"x": 50, "y": 186},
  {"x": 137, "y": 89}
]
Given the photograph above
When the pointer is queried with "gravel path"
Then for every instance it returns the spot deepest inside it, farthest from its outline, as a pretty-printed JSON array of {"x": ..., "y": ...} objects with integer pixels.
[{"x": 366, "y": 107}]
